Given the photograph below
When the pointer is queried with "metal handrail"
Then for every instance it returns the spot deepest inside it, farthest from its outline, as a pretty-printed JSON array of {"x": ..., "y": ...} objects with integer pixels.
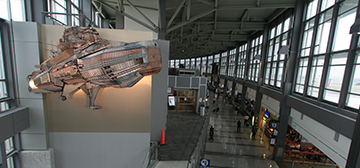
[
  {"x": 151, "y": 155},
  {"x": 194, "y": 157}
]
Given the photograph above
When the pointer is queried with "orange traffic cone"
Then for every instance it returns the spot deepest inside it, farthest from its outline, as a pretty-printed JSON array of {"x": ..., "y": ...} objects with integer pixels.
[{"x": 162, "y": 140}]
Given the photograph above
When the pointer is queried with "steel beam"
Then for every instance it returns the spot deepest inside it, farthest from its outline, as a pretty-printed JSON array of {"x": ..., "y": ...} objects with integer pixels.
[
  {"x": 175, "y": 13},
  {"x": 154, "y": 29},
  {"x": 190, "y": 20},
  {"x": 142, "y": 14}
]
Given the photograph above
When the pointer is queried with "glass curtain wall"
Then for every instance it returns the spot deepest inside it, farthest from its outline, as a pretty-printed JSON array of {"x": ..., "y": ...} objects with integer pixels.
[
  {"x": 187, "y": 63},
  {"x": 198, "y": 61},
  {"x": 231, "y": 62},
  {"x": 210, "y": 60},
  {"x": 241, "y": 61},
  {"x": 203, "y": 65},
  {"x": 279, "y": 37},
  {"x": 255, "y": 53},
  {"x": 223, "y": 63},
  {"x": 325, "y": 51},
  {"x": 14, "y": 9},
  {"x": 192, "y": 66}
]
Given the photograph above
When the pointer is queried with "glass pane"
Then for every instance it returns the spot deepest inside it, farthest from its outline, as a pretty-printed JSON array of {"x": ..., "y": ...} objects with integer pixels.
[
  {"x": 322, "y": 38},
  {"x": 61, "y": 2},
  {"x": 2, "y": 69},
  {"x": 315, "y": 76},
  {"x": 4, "y": 106},
  {"x": 339, "y": 59},
  {"x": 332, "y": 96},
  {"x": 355, "y": 85},
  {"x": 311, "y": 10},
  {"x": 286, "y": 24},
  {"x": 10, "y": 162},
  {"x": 342, "y": 37},
  {"x": 17, "y": 10},
  {"x": 354, "y": 101},
  {"x": 3, "y": 90},
  {"x": 4, "y": 13},
  {"x": 335, "y": 77},
  {"x": 9, "y": 145},
  {"x": 312, "y": 91},
  {"x": 326, "y": 4},
  {"x": 318, "y": 60},
  {"x": 278, "y": 29},
  {"x": 299, "y": 88}
]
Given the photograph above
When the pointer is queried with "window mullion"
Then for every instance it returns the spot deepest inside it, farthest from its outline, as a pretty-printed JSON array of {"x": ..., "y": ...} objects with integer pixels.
[{"x": 328, "y": 50}]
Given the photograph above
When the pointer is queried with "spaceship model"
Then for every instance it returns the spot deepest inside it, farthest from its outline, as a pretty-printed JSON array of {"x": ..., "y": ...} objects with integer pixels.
[{"x": 89, "y": 62}]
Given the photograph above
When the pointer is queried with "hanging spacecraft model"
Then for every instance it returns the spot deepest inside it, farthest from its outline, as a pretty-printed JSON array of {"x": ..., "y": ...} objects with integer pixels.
[{"x": 86, "y": 61}]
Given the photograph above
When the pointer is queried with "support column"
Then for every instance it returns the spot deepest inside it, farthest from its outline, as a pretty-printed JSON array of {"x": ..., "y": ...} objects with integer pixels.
[
  {"x": 259, "y": 95},
  {"x": 162, "y": 21},
  {"x": 226, "y": 71},
  {"x": 212, "y": 70},
  {"x": 246, "y": 73},
  {"x": 105, "y": 23},
  {"x": 2, "y": 155},
  {"x": 353, "y": 159},
  {"x": 86, "y": 10},
  {"x": 289, "y": 80},
  {"x": 34, "y": 9},
  {"x": 119, "y": 21},
  {"x": 235, "y": 73}
]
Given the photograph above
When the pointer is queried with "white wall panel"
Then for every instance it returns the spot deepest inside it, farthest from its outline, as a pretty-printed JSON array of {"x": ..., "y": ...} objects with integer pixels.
[
  {"x": 271, "y": 104},
  {"x": 110, "y": 150},
  {"x": 322, "y": 137},
  {"x": 238, "y": 88},
  {"x": 251, "y": 93},
  {"x": 222, "y": 81}
]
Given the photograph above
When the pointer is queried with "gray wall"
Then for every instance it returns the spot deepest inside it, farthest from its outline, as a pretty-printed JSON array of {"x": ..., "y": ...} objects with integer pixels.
[
  {"x": 159, "y": 94},
  {"x": 103, "y": 150}
]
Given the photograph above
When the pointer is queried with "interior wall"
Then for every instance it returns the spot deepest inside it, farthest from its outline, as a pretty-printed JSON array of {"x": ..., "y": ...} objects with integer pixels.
[
  {"x": 251, "y": 93},
  {"x": 152, "y": 14},
  {"x": 159, "y": 94},
  {"x": 26, "y": 52},
  {"x": 322, "y": 137},
  {"x": 238, "y": 88},
  {"x": 271, "y": 104},
  {"x": 118, "y": 134}
]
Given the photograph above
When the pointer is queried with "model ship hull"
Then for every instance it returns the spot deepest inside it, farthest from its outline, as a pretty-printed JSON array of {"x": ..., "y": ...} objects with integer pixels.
[{"x": 90, "y": 63}]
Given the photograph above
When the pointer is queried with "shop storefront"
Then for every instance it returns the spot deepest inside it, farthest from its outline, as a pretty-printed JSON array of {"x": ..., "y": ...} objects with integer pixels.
[{"x": 269, "y": 125}]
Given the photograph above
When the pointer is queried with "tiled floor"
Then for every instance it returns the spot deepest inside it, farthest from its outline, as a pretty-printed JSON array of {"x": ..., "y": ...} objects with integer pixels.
[{"x": 231, "y": 148}]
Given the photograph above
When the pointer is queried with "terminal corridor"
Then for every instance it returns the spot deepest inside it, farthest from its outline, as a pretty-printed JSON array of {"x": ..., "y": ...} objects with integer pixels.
[{"x": 231, "y": 148}]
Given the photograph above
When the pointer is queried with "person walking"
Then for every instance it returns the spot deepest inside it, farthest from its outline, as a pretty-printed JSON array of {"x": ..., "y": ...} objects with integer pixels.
[
  {"x": 254, "y": 130},
  {"x": 238, "y": 126},
  {"x": 211, "y": 133}
]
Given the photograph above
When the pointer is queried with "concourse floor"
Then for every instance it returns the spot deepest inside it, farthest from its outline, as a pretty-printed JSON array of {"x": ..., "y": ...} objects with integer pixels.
[{"x": 231, "y": 148}]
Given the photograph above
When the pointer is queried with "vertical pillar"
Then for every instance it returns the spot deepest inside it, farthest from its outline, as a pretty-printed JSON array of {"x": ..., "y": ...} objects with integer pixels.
[
  {"x": 246, "y": 73},
  {"x": 34, "y": 9},
  {"x": 86, "y": 10},
  {"x": 235, "y": 72},
  {"x": 218, "y": 75},
  {"x": 226, "y": 71},
  {"x": 212, "y": 77},
  {"x": 288, "y": 84},
  {"x": 259, "y": 95},
  {"x": 105, "y": 23},
  {"x": 162, "y": 21},
  {"x": 353, "y": 159},
  {"x": 2, "y": 155},
  {"x": 119, "y": 21}
]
